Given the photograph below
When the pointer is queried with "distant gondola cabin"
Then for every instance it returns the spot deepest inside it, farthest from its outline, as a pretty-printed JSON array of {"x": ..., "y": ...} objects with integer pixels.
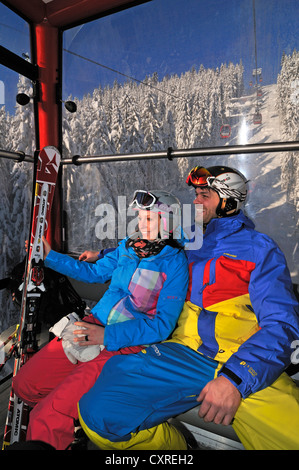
[{"x": 225, "y": 131}]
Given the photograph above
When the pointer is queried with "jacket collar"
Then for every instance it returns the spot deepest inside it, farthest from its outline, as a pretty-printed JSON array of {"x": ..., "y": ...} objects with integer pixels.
[{"x": 223, "y": 227}]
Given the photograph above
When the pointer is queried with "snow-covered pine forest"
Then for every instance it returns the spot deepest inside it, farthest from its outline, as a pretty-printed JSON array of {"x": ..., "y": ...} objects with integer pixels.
[
  {"x": 179, "y": 112},
  {"x": 288, "y": 111}
]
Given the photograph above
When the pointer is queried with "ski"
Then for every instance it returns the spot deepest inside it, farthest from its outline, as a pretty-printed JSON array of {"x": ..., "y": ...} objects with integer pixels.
[
  {"x": 47, "y": 165},
  {"x": 7, "y": 346}
]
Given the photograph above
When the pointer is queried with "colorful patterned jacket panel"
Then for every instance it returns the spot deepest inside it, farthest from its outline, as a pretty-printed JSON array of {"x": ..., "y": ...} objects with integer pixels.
[
  {"x": 240, "y": 308},
  {"x": 149, "y": 292}
]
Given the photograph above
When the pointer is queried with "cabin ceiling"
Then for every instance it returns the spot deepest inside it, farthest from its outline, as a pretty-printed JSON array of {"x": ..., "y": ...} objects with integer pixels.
[{"x": 65, "y": 13}]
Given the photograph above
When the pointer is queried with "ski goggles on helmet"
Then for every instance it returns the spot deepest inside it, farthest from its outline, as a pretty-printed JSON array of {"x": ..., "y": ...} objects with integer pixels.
[
  {"x": 144, "y": 199},
  {"x": 198, "y": 176}
]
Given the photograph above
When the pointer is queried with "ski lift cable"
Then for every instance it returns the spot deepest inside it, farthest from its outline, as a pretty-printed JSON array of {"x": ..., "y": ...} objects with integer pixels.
[
  {"x": 255, "y": 50},
  {"x": 255, "y": 42},
  {"x": 124, "y": 75}
]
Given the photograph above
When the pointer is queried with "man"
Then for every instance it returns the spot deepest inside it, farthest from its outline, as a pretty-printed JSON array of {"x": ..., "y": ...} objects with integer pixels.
[{"x": 233, "y": 341}]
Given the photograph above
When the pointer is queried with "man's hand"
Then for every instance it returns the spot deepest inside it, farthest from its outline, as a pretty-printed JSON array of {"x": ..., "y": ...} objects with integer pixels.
[
  {"x": 89, "y": 256},
  {"x": 220, "y": 401}
]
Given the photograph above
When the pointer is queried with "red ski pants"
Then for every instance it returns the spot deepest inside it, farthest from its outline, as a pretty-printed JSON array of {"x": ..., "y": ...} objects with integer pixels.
[{"x": 51, "y": 384}]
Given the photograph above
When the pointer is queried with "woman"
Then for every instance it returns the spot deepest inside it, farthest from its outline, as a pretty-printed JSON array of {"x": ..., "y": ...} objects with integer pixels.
[{"x": 149, "y": 279}]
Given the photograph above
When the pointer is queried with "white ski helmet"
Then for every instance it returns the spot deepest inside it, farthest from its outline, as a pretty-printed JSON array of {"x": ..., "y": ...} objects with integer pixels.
[
  {"x": 166, "y": 204},
  {"x": 229, "y": 184}
]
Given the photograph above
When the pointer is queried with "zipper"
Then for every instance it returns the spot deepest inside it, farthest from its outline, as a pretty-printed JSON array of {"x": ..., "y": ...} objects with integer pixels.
[{"x": 203, "y": 287}]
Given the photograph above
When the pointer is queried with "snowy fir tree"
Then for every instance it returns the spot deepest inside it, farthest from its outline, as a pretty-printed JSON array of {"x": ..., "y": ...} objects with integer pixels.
[
  {"x": 288, "y": 108},
  {"x": 17, "y": 133}
]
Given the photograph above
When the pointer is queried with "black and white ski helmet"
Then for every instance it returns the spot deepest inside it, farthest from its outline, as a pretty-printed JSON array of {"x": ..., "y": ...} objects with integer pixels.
[
  {"x": 229, "y": 184},
  {"x": 166, "y": 204}
]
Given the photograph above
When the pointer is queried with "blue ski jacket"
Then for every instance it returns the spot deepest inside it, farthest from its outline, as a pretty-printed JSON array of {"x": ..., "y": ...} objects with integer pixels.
[
  {"x": 240, "y": 309},
  {"x": 150, "y": 292}
]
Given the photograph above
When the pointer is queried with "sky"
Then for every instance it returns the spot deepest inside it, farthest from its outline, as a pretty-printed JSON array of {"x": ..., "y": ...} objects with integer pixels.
[{"x": 167, "y": 37}]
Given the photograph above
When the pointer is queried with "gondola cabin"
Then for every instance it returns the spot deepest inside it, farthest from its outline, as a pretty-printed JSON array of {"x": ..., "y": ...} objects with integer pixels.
[
  {"x": 225, "y": 131},
  {"x": 257, "y": 118},
  {"x": 132, "y": 94}
]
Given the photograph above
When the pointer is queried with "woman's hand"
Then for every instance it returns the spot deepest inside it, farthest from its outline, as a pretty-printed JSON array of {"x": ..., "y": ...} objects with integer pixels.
[
  {"x": 92, "y": 334},
  {"x": 47, "y": 247}
]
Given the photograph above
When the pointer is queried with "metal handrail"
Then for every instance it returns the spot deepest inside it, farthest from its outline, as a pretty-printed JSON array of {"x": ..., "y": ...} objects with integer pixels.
[
  {"x": 168, "y": 154},
  {"x": 19, "y": 156}
]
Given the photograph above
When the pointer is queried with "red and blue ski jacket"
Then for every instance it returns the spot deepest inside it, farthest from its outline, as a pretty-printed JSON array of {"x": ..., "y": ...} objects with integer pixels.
[
  {"x": 150, "y": 292},
  {"x": 240, "y": 307}
]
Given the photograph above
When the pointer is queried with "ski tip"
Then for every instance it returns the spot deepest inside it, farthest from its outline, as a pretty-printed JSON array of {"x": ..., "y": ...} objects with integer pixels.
[{"x": 52, "y": 153}]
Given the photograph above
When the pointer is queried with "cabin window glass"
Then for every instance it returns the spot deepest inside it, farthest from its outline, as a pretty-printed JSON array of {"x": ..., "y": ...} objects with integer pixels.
[
  {"x": 182, "y": 74},
  {"x": 14, "y": 33},
  {"x": 211, "y": 73},
  {"x": 17, "y": 133}
]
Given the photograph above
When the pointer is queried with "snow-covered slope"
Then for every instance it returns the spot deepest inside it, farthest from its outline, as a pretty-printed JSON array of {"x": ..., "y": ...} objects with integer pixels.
[{"x": 269, "y": 204}]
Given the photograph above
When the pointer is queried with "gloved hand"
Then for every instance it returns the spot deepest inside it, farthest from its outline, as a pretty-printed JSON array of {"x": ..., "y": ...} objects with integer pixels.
[{"x": 64, "y": 329}]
